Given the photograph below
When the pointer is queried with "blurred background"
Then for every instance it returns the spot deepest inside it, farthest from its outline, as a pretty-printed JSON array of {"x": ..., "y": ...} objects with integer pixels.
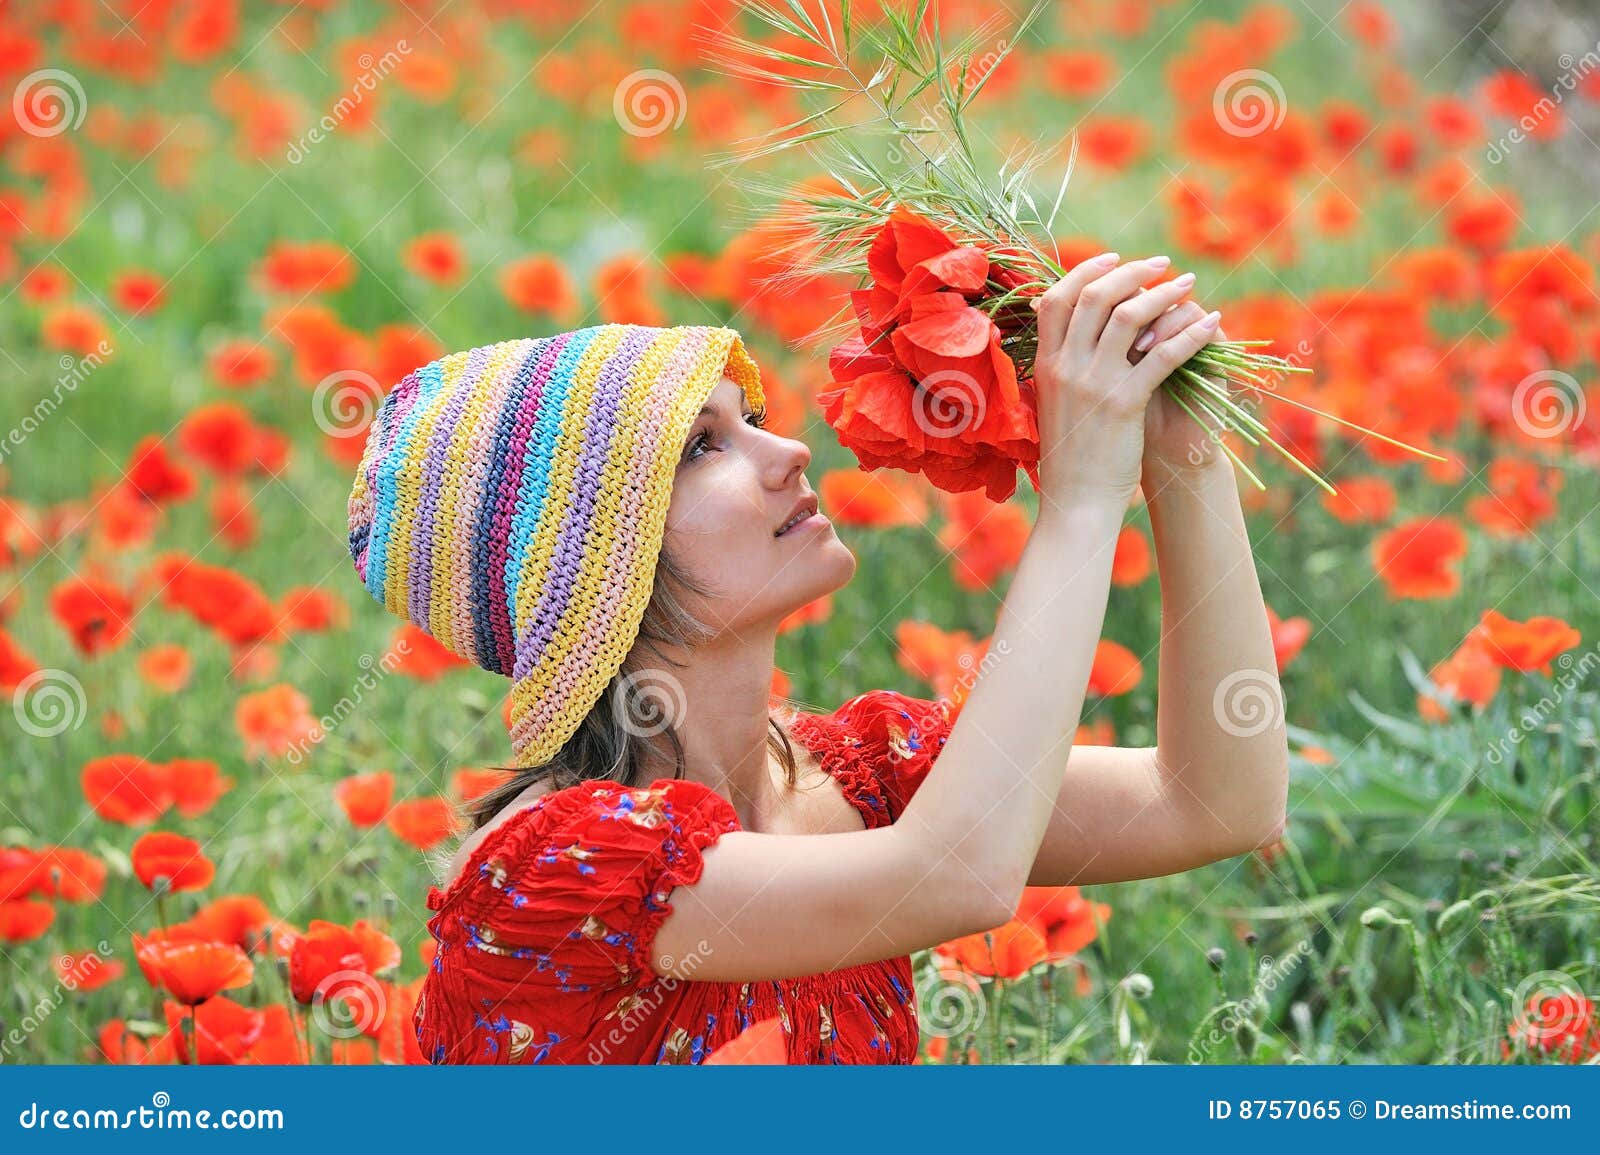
[{"x": 227, "y": 229}]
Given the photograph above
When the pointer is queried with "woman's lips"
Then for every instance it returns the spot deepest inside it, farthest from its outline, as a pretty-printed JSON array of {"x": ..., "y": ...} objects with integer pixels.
[{"x": 812, "y": 522}]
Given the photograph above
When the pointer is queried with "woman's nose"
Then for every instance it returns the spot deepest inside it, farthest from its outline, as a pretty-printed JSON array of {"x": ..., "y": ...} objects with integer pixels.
[{"x": 790, "y": 456}]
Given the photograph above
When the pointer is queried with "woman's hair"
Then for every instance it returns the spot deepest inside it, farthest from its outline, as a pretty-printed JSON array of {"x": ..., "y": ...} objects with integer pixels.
[{"x": 627, "y": 722}]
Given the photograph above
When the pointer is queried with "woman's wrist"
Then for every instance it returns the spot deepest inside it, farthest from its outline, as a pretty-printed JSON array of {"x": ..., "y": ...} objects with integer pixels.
[
  {"x": 1177, "y": 478},
  {"x": 1082, "y": 510}
]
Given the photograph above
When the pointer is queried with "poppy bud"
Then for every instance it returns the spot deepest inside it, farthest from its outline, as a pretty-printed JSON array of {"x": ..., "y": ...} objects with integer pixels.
[
  {"x": 1245, "y": 1035},
  {"x": 1216, "y": 957}
]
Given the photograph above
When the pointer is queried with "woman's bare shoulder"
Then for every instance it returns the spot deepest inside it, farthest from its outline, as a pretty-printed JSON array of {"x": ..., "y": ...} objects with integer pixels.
[{"x": 470, "y": 844}]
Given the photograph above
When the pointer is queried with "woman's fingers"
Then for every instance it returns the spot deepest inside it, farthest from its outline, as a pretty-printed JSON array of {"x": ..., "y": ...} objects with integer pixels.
[
  {"x": 1099, "y": 297},
  {"x": 1140, "y": 310},
  {"x": 1180, "y": 316},
  {"x": 1165, "y": 357},
  {"x": 1054, "y": 305}
]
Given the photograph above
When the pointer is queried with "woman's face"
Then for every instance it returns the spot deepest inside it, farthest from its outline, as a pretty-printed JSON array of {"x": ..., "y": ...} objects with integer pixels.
[{"x": 736, "y": 486}]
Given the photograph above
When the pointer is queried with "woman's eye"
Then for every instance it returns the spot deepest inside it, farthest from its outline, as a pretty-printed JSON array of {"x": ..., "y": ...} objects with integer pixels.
[{"x": 700, "y": 440}]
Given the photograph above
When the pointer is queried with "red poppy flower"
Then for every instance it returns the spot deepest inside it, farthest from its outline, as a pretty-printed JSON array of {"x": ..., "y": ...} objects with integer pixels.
[
  {"x": 939, "y": 396},
  {"x": 1116, "y": 670},
  {"x": 470, "y": 783},
  {"x": 1130, "y": 564},
  {"x": 540, "y": 284},
  {"x": 1068, "y": 921},
  {"x": 164, "y": 855},
  {"x": 275, "y": 720},
  {"x": 1469, "y": 675},
  {"x": 1416, "y": 559},
  {"x": 307, "y": 267},
  {"x": 234, "y": 918},
  {"x": 1008, "y": 952},
  {"x": 95, "y": 613},
  {"x": 878, "y": 499},
  {"x": 196, "y": 784},
  {"x": 1288, "y": 637},
  {"x": 24, "y": 919},
  {"x": 120, "y": 1044},
  {"x": 224, "y": 1031},
  {"x": 419, "y": 655},
  {"x": 88, "y": 971},
  {"x": 437, "y": 257},
  {"x": 74, "y": 875},
  {"x": 986, "y": 539},
  {"x": 1525, "y": 646},
  {"x": 138, "y": 291},
  {"x": 154, "y": 476},
  {"x": 1563, "y": 1025},
  {"x": 125, "y": 788},
  {"x": 321, "y": 954},
  {"x": 311, "y": 609},
  {"x": 365, "y": 798},
  {"x": 240, "y": 363},
  {"x": 423, "y": 822},
  {"x": 165, "y": 667},
  {"x": 192, "y": 972},
  {"x": 15, "y": 664}
]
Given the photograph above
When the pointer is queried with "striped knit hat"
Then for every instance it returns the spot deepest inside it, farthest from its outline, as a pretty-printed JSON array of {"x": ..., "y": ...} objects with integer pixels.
[{"x": 512, "y": 499}]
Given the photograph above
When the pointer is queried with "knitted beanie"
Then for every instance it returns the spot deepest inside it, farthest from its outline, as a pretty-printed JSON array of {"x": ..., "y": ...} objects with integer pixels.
[{"x": 512, "y": 499}]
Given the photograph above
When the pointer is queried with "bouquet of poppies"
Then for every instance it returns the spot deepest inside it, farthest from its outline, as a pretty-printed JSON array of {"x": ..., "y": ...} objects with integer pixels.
[{"x": 933, "y": 365}]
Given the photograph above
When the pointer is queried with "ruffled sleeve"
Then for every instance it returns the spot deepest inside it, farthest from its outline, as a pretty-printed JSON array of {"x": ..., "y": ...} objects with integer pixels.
[
  {"x": 559, "y": 907},
  {"x": 901, "y": 737}
]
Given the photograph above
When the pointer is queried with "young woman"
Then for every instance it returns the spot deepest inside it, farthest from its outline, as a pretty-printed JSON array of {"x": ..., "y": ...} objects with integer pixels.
[{"x": 602, "y": 517}]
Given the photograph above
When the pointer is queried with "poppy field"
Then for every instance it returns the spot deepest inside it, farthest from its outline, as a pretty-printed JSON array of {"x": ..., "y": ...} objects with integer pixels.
[{"x": 228, "y": 229}]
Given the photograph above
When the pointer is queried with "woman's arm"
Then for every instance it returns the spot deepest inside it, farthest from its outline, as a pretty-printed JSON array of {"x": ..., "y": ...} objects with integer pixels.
[
  {"x": 958, "y": 857},
  {"x": 1215, "y": 784},
  {"x": 955, "y": 862}
]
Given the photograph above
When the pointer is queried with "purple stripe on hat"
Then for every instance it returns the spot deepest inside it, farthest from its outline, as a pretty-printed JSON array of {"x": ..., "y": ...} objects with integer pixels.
[
  {"x": 458, "y": 388},
  {"x": 485, "y": 457},
  {"x": 503, "y": 498},
  {"x": 567, "y": 559}
]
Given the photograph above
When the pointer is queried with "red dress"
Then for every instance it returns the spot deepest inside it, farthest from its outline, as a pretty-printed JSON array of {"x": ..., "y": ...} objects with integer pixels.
[{"x": 544, "y": 939}]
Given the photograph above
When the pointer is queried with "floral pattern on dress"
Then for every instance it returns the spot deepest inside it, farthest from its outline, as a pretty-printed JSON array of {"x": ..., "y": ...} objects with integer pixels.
[{"x": 544, "y": 941}]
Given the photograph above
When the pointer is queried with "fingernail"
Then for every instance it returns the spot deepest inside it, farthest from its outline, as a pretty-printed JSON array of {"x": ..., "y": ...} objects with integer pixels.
[
  {"x": 1209, "y": 321},
  {"x": 1160, "y": 262},
  {"x": 1105, "y": 258},
  {"x": 1034, "y": 304},
  {"x": 1186, "y": 279},
  {"x": 1145, "y": 341}
]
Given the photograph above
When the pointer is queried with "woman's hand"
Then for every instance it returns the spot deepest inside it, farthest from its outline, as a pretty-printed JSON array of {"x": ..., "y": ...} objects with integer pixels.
[
  {"x": 1173, "y": 441},
  {"x": 1092, "y": 396}
]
